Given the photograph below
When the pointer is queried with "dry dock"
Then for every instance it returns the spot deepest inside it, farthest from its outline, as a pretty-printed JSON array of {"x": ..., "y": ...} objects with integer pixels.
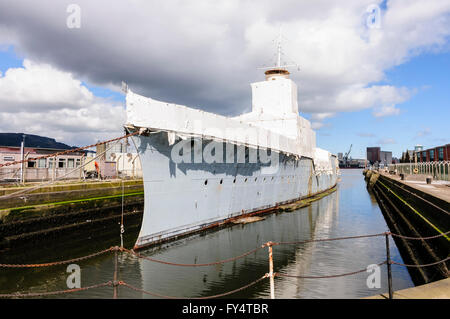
[
  {"x": 416, "y": 210},
  {"x": 438, "y": 189},
  {"x": 29, "y": 215},
  {"x": 435, "y": 290}
]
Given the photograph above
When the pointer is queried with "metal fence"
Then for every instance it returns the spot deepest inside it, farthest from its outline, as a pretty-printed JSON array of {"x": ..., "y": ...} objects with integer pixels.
[
  {"x": 437, "y": 170},
  {"x": 34, "y": 174}
]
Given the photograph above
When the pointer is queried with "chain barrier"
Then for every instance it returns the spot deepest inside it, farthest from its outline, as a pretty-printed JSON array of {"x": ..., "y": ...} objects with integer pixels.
[
  {"x": 420, "y": 238},
  {"x": 132, "y": 252},
  {"x": 154, "y": 294},
  {"x": 194, "y": 265},
  {"x": 326, "y": 239},
  {"x": 420, "y": 266},
  {"x": 327, "y": 276},
  {"x": 57, "y": 262},
  {"x": 50, "y": 293},
  {"x": 271, "y": 275}
]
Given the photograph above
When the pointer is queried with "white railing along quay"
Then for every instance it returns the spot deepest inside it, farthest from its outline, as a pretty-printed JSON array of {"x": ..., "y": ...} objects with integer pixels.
[{"x": 437, "y": 170}]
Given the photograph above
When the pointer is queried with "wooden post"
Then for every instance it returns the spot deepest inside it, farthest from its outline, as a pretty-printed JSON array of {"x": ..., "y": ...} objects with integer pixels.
[
  {"x": 272, "y": 283},
  {"x": 388, "y": 259}
]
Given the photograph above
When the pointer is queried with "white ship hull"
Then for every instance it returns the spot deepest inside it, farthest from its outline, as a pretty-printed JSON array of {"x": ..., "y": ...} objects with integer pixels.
[
  {"x": 184, "y": 198},
  {"x": 200, "y": 168}
]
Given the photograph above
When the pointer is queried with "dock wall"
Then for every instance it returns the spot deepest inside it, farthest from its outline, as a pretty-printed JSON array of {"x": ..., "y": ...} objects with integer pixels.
[
  {"x": 412, "y": 212},
  {"x": 58, "y": 211}
]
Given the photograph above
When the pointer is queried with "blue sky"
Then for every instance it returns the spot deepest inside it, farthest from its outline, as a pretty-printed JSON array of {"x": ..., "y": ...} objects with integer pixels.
[
  {"x": 424, "y": 119},
  {"x": 10, "y": 59},
  {"x": 386, "y": 86}
]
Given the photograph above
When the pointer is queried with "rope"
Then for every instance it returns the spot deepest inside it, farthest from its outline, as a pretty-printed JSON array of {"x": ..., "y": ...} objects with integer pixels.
[
  {"x": 68, "y": 151},
  {"x": 328, "y": 276},
  {"x": 57, "y": 262},
  {"x": 193, "y": 265},
  {"x": 419, "y": 266},
  {"x": 40, "y": 294},
  {"x": 206, "y": 297}
]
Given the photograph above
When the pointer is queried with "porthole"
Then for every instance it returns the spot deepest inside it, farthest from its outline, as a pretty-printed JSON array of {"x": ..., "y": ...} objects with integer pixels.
[
  {"x": 206, "y": 182},
  {"x": 245, "y": 181},
  {"x": 221, "y": 181},
  {"x": 234, "y": 180},
  {"x": 256, "y": 178}
]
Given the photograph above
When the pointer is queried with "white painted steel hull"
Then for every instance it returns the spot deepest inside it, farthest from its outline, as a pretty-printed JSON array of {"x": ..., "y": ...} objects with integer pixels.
[{"x": 184, "y": 198}]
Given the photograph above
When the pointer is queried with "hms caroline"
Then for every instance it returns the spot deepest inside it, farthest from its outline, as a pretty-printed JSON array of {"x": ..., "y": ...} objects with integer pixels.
[{"x": 201, "y": 169}]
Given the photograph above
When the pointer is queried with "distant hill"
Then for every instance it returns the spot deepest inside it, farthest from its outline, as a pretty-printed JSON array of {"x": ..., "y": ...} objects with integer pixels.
[{"x": 14, "y": 139}]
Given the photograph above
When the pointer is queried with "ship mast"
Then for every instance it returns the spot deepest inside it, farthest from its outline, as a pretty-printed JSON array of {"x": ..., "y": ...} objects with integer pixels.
[
  {"x": 278, "y": 70},
  {"x": 279, "y": 49}
]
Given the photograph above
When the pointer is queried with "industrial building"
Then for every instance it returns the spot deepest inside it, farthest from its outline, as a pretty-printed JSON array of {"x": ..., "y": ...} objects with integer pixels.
[
  {"x": 435, "y": 154},
  {"x": 61, "y": 166},
  {"x": 376, "y": 156}
]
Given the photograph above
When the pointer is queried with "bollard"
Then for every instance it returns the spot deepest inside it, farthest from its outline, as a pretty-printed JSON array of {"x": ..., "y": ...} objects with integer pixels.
[
  {"x": 272, "y": 284},
  {"x": 429, "y": 180},
  {"x": 388, "y": 259},
  {"x": 402, "y": 176}
]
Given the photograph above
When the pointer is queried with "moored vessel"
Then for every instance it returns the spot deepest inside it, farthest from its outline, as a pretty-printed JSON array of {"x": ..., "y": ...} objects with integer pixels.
[{"x": 201, "y": 169}]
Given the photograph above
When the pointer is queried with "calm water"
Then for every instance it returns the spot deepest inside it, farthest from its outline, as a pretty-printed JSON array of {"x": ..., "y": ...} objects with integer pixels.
[{"x": 347, "y": 212}]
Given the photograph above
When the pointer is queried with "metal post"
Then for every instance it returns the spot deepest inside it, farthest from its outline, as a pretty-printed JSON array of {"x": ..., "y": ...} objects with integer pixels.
[
  {"x": 55, "y": 162},
  {"x": 115, "y": 272},
  {"x": 388, "y": 259},
  {"x": 22, "y": 146},
  {"x": 272, "y": 283}
]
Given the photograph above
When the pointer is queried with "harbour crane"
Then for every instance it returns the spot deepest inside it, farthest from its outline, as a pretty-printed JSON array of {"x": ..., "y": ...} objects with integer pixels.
[{"x": 346, "y": 156}]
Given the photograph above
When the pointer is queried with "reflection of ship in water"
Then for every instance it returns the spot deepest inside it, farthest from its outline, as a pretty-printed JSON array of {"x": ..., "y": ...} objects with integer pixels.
[
  {"x": 307, "y": 223},
  {"x": 304, "y": 264}
]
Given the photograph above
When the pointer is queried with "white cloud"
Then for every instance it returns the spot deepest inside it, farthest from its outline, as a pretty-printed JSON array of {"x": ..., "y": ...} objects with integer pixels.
[
  {"x": 204, "y": 55},
  {"x": 321, "y": 116},
  {"x": 426, "y": 131},
  {"x": 363, "y": 134},
  {"x": 385, "y": 141},
  {"x": 39, "y": 99},
  {"x": 386, "y": 111},
  {"x": 317, "y": 125},
  {"x": 22, "y": 88}
]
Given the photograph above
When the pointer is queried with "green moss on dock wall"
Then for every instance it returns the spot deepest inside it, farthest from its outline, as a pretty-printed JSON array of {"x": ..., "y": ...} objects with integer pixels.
[{"x": 70, "y": 198}]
